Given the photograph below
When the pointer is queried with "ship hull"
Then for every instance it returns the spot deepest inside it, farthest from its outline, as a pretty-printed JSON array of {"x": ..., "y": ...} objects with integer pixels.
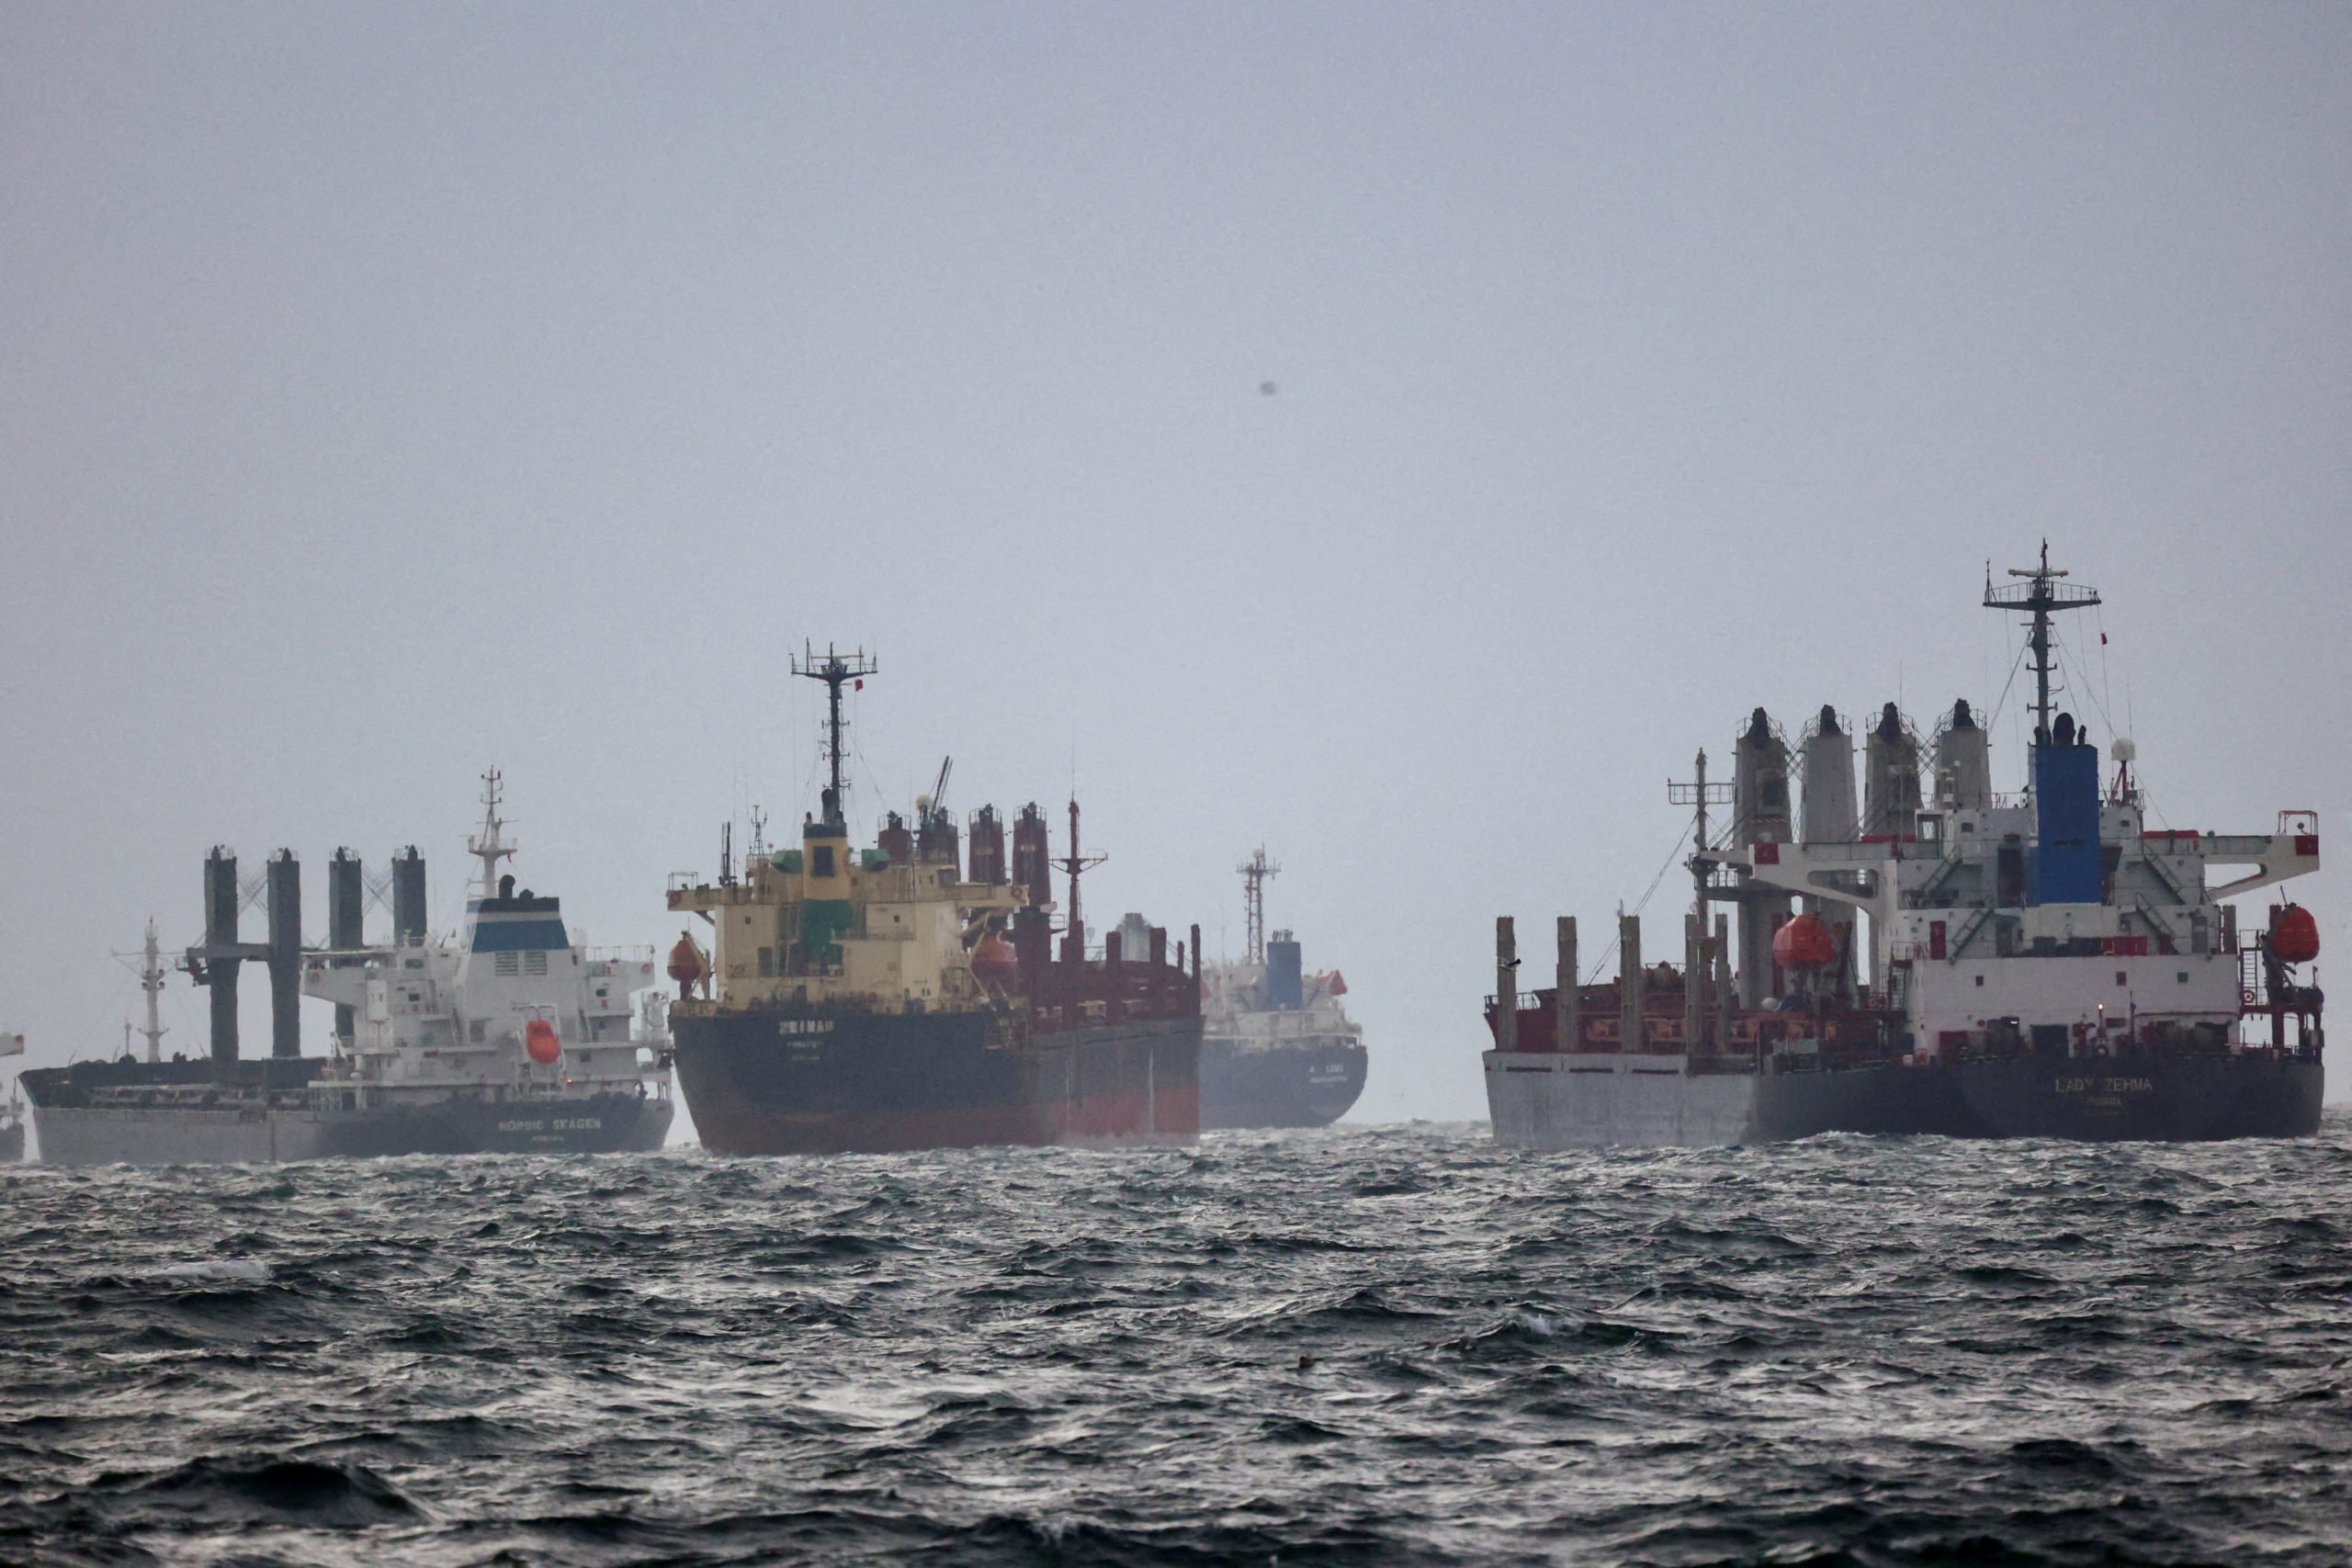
[
  {"x": 764, "y": 1083},
  {"x": 1309, "y": 1083},
  {"x": 1554, "y": 1102},
  {"x": 249, "y": 1125},
  {"x": 12, "y": 1143}
]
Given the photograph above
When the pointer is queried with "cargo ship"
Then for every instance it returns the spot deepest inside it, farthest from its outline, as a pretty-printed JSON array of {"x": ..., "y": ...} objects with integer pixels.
[
  {"x": 890, "y": 998},
  {"x": 509, "y": 1040},
  {"x": 2043, "y": 965},
  {"x": 1277, "y": 1048}
]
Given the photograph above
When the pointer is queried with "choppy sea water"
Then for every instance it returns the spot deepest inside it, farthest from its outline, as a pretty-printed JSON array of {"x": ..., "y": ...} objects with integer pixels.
[{"x": 1354, "y": 1346}]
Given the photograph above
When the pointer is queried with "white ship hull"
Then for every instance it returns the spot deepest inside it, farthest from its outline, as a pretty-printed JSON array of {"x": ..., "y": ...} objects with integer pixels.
[{"x": 1591, "y": 1103}]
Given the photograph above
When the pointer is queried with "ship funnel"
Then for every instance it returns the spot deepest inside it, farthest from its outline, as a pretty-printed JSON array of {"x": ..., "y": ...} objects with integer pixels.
[
  {"x": 1963, "y": 762},
  {"x": 1827, "y": 761},
  {"x": 1286, "y": 974},
  {"x": 1890, "y": 787}
]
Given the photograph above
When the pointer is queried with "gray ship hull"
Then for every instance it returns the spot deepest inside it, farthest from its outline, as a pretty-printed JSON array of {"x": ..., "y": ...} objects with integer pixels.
[
  {"x": 1304, "y": 1083},
  {"x": 260, "y": 1121}
]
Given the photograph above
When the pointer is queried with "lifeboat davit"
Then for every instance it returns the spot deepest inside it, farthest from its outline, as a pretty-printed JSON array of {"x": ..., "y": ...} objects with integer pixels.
[
  {"x": 685, "y": 963},
  {"x": 994, "y": 964},
  {"x": 2294, "y": 935},
  {"x": 540, "y": 1041},
  {"x": 1804, "y": 943}
]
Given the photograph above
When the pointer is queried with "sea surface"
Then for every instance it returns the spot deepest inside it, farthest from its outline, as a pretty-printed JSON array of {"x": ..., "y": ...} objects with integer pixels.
[{"x": 1376, "y": 1345}]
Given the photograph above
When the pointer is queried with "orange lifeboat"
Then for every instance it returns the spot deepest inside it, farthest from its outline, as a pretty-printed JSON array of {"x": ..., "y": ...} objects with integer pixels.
[
  {"x": 540, "y": 1041},
  {"x": 685, "y": 963},
  {"x": 994, "y": 964},
  {"x": 1804, "y": 943},
  {"x": 2294, "y": 935}
]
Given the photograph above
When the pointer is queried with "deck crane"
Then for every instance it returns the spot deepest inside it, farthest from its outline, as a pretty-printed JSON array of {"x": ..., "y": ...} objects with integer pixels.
[{"x": 933, "y": 806}]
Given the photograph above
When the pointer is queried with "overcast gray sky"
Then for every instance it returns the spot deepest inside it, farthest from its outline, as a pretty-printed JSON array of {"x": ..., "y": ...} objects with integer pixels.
[{"x": 386, "y": 391}]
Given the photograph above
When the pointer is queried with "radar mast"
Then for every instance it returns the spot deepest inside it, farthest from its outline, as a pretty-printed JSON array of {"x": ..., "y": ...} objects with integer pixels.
[
  {"x": 2040, "y": 595},
  {"x": 490, "y": 845},
  {"x": 1254, "y": 872},
  {"x": 834, "y": 670}
]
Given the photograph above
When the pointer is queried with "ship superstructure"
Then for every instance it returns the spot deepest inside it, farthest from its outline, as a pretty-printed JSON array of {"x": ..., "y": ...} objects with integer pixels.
[
  {"x": 889, "y": 997},
  {"x": 507, "y": 1038},
  {"x": 1277, "y": 1049},
  {"x": 1939, "y": 958}
]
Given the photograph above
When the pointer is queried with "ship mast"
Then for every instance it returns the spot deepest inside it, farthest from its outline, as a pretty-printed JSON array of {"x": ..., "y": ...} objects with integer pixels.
[
  {"x": 1254, "y": 872},
  {"x": 490, "y": 844},
  {"x": 1699, "y": 795},
  {"x": 834, "y": 670},
  {"x": 2040, "y": 595},
  {"x": 151, "y": 980},
  {"x": 1076, "y": 865}
]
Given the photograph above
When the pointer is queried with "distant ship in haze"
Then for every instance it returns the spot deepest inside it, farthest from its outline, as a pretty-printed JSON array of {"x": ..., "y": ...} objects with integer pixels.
[
  {"x": 1277, "y": 1048},
  {"x": 2046, "y": 964}
]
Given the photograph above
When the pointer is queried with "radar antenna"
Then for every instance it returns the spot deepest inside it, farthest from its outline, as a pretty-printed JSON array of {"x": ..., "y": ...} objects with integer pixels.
[
  {"x": 2040, "y": 595},
  {"x": 834, "y": 670},
  {"x": 1254, "y": 872}
]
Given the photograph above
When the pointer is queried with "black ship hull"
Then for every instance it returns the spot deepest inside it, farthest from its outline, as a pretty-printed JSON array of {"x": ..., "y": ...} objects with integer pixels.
[
  {"x": 1545, "y": 1101},
  {"x": 125, "y": 1113},
  {"x": 768, "y": 1082},
  {"x": 1305, "y": 1083}
]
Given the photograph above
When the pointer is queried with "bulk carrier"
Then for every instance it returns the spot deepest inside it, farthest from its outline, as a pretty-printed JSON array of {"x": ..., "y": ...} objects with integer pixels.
[
  {"x": 886, "y": 999},
  {"x": 1277, "y": 1050},
  {"x": 2047, "y": 965},
  {"x": 508, "y": 1039}
]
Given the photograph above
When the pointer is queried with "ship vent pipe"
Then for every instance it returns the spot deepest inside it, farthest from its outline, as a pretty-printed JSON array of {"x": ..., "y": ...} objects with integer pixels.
[
  {"x": 1826, "y": 756},
  {"x": 1506, "y": 984},
  {"x": 285, "y": 961},
  {"x": 1723, "y": 985},
  {"x": 1890, "y": 789},
  {"x": 1629, "y": 983},
  {"x": 408, "y": 899},
  {"x": 221, "y": 905},
  {"x": 1567, "y": 1017},
  {"x": 1963, "y": 762},
  {"x": 345, "y": 895},
  {"x": 1694, "y": 985}
]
